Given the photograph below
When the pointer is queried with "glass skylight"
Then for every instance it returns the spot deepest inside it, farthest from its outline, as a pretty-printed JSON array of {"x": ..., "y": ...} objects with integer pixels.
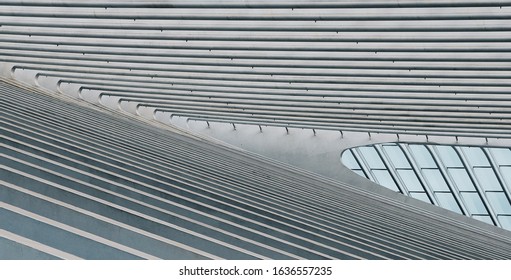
[{"x": 473, "y": 181}]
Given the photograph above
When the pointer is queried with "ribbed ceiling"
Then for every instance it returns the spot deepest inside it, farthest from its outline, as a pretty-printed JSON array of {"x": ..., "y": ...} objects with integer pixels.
[
  {"x": 422, "y": 67},
  {"x": 79, "y": 182}
]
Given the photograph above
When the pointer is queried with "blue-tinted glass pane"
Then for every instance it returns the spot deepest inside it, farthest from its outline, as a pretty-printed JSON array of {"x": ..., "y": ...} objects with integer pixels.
[
  {"x": 505, "y": 171},
  {"x": 501, "y": 156},
  {"x": 371, "y": 157},
  {"x": 421, "y": 196},
  {"x": 435, "y": 179},
  {"x": 499, "y": 202},
  {"x": 383, "y": 177},
  {"x": 484, "y": 218},
  {"x": 410, "y": 180},
  {"x": 360, "y": 172},
  {"x": 475, "y": 156},
  {"x": 461, "y": 179},
  {"x": 422, "y": 156},
  {"x": 447, "y": 201},
  {"x": 349, "y": 160},
  {"x": 473, "y": 203},
  {"x": 449, "y": 156},
  {"x": 505, "y": 222},
  {"x": 487, "y": 178},
  {"x": 396, "y": 156}
]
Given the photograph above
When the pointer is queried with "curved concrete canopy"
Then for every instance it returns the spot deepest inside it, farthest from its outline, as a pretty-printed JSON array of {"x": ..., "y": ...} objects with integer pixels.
[
  {"x": 307, "y": 79},
  {"x": 80, "y": 181},
  {"x": 405, "y": 67}
]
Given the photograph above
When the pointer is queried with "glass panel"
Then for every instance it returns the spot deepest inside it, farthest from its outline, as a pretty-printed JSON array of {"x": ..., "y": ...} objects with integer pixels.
[
  {"x": 443, "y": 183},
  {"x": 349, "y": 160},
  {"x": 474, "y": 203},
  {"x": 383, "y": 177},
  {"x": 475, "y": 156},
  {"x": 505, "y": 222},
  {"x": 484, "y": 218},
  {"x": 422, "y": 156},
  {"x": 410, "y": 180},
  {"x": 435, "y": 179},
  {"x": 499, "y": 202},
  {"x": 487, "y": 178},
  {"x": 505, "y": 171},
  {"x": 449, "y": 156},
  {"x": 447, "y": 201},
  {"x": 421, "y": 196},
  {"x": 461, "y": 179},
  {"x": 371, "y": 157},
  {"x": 396, "y": 156},
  {"x": 501, "y": 156},
  {"x": 360, "y": 172}
]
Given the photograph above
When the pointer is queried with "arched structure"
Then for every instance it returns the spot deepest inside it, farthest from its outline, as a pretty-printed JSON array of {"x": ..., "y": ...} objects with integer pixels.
[{"x": 214, "y": 129}]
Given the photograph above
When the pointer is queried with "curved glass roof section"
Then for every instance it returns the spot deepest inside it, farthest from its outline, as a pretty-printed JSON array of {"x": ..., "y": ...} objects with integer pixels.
[{"x": 472, "y": 181}]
